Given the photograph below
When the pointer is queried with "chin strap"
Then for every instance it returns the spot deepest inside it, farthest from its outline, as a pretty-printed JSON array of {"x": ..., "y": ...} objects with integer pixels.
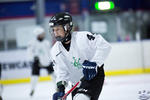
[{"x": 67, "y": 38}]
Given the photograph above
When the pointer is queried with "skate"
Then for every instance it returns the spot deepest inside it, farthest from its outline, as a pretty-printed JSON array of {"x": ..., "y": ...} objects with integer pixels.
[
  {"x": 32, "y": 92},
  {"x": 1, "y": 98}
]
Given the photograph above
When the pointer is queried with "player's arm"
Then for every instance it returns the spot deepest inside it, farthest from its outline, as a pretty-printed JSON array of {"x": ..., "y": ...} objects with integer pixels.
[
  {"x": 61, "y": 80},
  {"x": 61, "y": 73},
  {"x": 60, "y": 90},
  {"x": 30, "y": 51},
  {"x": 101, "y": 49}
]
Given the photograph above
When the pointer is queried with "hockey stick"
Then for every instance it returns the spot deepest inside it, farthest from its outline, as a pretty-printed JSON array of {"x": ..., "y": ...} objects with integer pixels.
[{"x": 71, "y": 90}]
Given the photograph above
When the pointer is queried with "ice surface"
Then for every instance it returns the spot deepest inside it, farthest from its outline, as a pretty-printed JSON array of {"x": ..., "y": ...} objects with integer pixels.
[{"x": 115, "y": 88}]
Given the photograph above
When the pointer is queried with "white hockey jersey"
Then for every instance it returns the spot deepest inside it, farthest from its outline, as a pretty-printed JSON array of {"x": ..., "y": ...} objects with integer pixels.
[
  {"x": 84, "y": 46},
  {"x": 41, "y": 50}
]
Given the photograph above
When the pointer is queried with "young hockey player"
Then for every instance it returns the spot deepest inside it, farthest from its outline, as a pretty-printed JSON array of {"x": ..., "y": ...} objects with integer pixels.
[
  {"x": 76, "y": 55},
  {"x": 39, "y": 52}
]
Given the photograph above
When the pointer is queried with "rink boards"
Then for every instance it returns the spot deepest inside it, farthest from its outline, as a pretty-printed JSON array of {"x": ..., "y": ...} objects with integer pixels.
[{"x": 125, "y": 58}]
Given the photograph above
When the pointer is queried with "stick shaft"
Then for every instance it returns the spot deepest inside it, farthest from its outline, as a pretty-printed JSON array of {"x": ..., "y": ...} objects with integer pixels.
[{"x": 71, "y": 90}]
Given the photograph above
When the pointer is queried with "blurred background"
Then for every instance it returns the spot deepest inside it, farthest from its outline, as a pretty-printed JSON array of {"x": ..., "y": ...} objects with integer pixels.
[
  {"x": 123, "y": 23},
  {"x": 127, "y": 21}
]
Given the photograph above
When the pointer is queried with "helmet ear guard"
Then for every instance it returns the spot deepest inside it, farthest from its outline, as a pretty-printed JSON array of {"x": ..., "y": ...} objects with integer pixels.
[{"x": 67, "y": 27}]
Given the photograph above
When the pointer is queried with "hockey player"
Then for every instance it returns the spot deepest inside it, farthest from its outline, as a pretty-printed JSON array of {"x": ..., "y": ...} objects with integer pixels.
[
  {"x": 76, "y": 55},
  {"x": 39, "y": 52}
]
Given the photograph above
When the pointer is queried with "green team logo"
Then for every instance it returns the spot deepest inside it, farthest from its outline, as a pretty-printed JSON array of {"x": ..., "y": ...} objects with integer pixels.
[
  {"x": 76, "y": 63},
  {"x": 41, "y": 52}
]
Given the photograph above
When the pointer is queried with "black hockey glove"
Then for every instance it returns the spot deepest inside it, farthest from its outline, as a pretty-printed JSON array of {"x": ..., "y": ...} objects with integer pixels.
[
  {"x": 89, "y": 69},
  {"x": 61, "y": 91}
]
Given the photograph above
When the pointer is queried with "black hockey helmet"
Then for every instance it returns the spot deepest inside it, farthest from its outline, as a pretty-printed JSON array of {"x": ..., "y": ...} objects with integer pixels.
[
  {"x": 65, "y": 20},
  {"x": 62, "y": 19}
]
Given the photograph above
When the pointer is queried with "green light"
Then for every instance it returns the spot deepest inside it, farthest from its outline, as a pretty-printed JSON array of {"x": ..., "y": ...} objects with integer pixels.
[
  {"x": 96, "y": 6},
  {"x": 112, "y": 6},
  {"x": 104, "y": 5}
]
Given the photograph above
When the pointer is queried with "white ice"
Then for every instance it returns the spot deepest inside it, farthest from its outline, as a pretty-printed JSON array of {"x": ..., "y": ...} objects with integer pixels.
[{"x": 129, "y": 87}]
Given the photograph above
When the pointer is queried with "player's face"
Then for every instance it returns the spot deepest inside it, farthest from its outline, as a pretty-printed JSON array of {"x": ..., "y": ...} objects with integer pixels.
[
  {"x": 59, "y": 31},
  {"x": 41, "y": 36}
]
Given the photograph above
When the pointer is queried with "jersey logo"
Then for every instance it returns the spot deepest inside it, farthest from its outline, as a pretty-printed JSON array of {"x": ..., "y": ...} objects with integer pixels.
[
  {"x": 90, "y": 37},
  {"x": 81, "y": 90},
  {"x": 76, "y": 63},
  {"x": 41, "y": 52}
]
